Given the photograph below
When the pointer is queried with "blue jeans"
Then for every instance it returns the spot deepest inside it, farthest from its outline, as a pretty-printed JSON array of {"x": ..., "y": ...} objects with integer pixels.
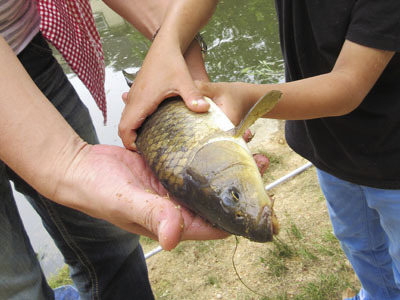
[
  {"x": 367, "y": 223},
  {"x": 105, "y": 262}
]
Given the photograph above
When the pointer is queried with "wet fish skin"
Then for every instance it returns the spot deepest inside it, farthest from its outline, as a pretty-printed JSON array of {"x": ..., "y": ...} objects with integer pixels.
[{"x": 207, "y": 170}]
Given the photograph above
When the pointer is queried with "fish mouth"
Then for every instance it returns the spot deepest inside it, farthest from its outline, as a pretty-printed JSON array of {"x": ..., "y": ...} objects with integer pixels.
[{"x": 266, "y": 227}]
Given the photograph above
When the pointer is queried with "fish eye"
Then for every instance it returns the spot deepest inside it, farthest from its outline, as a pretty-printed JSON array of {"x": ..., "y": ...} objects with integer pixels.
[
  {"x": 231, "y": 198},
  {"x": 235, "y": 195}
]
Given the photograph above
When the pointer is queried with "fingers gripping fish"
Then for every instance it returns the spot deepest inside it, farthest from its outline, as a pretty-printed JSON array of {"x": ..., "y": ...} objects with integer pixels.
[{"x": 203, "y": 162}]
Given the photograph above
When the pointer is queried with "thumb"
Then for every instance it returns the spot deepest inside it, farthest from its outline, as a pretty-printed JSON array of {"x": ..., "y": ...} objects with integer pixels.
[
  {"x": 156, "y": 216},
  {"x": 193, "y": 98},
  {"x": 171, "y": 227},
  {"x": 124, "y": 97}
]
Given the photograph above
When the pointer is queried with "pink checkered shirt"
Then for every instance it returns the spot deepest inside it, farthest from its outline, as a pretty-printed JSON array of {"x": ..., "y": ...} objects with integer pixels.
[{"x": 70, "y": 27}]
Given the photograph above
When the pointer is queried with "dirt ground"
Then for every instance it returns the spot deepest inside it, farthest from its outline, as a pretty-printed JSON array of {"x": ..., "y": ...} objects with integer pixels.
[{"x": 204, "y": 270}]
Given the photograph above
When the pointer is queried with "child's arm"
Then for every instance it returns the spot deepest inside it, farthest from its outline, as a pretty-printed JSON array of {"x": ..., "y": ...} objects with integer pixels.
[{"x": 332, "y": 94}]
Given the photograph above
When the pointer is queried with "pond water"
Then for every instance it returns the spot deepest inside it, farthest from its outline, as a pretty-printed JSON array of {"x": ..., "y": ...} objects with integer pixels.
[{"x": 243, "y": 45}]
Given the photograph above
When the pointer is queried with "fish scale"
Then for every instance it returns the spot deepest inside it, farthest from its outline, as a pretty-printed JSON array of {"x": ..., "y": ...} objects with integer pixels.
[
  {"x": 207, "y": 169},
  {"x": 173, "y": 130},
  {"x": 204, "y": 163}
]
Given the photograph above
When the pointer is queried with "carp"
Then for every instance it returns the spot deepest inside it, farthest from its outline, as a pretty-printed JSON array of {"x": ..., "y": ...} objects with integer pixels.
[{"x": 204, "y": 163}]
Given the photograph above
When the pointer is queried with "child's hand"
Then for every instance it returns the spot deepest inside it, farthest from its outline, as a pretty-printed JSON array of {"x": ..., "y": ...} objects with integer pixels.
[{"x": 233, "y": 98}]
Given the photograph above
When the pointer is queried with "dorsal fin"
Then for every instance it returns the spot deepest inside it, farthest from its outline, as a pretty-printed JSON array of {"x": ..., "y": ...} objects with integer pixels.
[
  {"x": 262, "y": 106},
  {"x": 129, "y": 77}
]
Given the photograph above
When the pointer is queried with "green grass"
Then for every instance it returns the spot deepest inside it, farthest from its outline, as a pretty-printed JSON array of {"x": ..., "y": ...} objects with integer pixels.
[
  {"x": 212, "y": 280},
  {"x": 329, "y": 286},
  {"x": 306, "y": 253},
  {"x": 61, "y": 278},
  {"x": 293, "y": 247},
  {"x": 276, "y": 266},
  {"x": 276, "y": 258},
  {"x": 328, "y": 236},
  {"x": 163, "y": 290},
  {"x": 294, "y": 231}
]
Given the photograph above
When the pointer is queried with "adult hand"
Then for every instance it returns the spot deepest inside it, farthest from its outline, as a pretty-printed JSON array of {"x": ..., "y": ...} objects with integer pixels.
[
  {"x": 116, "y": 185},
  {"x": 164, "y": 73}
]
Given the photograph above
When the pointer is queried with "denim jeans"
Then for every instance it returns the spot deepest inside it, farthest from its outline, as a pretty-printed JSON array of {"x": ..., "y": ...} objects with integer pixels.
[
  {"x": 105, "y": 262},
  {"x": 367, "y": 223}
]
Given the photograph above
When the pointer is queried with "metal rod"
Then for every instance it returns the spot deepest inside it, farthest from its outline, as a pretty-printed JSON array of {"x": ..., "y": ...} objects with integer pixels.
[
  {"x": 288, "y": 176},
  {"x": 153, "y": 252},
  {"x": 268, "y": 187}
]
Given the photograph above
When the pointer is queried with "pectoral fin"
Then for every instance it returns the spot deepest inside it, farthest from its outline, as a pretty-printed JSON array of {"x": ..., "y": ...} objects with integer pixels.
[{"x": 262, "y": 106}]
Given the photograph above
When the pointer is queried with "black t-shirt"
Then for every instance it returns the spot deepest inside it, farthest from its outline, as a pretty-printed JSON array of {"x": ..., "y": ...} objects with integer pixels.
[{"x": 363, "y": 146}]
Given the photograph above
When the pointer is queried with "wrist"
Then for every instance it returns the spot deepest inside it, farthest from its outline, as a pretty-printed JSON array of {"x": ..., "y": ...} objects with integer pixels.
[
  {"x": 198, "y": 38},
  {"x": 248, "y": 94},
  {"x": 63, "y": 182},
  {"x": 184, "y": 18},
  {"x": 195, "y": 62}
]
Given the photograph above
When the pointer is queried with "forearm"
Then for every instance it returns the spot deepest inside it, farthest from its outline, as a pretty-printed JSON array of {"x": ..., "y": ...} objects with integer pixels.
[
  {"x": 181, "y": 19},
  {"x": 184, "y": 19},
  {"x": 35, "y": 141},
  {"x": 333, "y": 94},
  {"x": 314, "y": 97},
  {"x": 147, "y": 17},
  {"x": 195, "y": 62}
]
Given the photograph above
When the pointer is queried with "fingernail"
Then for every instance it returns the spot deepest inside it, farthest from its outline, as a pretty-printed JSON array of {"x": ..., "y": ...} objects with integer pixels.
[
  {"x": 133, "y": 144},
  {"x": 199, "y": 102}
]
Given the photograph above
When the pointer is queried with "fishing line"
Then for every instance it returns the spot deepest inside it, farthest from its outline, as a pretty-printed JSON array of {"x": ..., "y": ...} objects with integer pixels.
[{"x": 237, "y": 273}]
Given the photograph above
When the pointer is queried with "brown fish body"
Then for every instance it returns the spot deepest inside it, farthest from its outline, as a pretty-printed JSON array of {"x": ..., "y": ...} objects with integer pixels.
[{"x": 207, "y": 169}]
